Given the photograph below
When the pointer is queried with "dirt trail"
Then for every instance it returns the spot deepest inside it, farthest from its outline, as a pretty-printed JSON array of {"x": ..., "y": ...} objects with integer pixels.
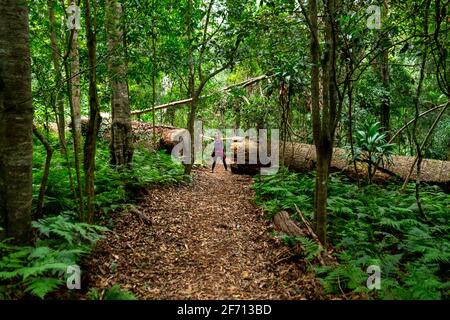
[{"x": 203, "y": 241}]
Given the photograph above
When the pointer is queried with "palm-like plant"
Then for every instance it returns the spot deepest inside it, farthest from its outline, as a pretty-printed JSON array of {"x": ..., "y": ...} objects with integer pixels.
[{"x": 371, "y": 147}]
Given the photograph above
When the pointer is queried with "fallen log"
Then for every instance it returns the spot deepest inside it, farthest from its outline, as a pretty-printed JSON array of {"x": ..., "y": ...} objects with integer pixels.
[
  {"x": 302, "y": 157},
  {"x": 167, "y": 136},
  {"x": 245, "y": 158},
  {"x": 283, "y": 222},
  {"x": 170, "y": 137},
  {"x": 286, "y": 225},
  {"x": 142, "y": 217},
  {"x": 299, "y": 157}
]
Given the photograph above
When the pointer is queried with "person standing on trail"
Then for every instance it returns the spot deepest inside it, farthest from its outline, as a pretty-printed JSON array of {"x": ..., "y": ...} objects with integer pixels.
[{"x": 219, "y": 151}]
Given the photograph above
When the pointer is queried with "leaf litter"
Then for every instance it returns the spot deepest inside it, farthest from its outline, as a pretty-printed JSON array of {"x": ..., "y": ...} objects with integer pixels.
[{"x": 207, "y": 240}]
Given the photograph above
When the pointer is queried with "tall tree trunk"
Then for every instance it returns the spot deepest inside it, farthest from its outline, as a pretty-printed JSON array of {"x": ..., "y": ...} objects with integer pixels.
[
  {"x": 121, "y": 144},
  {"x": 90, "y": 144},
  {"x": 154, "y": 71},
  {"x": 417, "y": 113},
  {"x": 56, "y": 56},
  {"x": 324, "y": 154},
  {"x": 325, "y": 120},
  {"x": 191, "y": 121},
  {"x": 384, "y": 73},
  {"x": 329, "y": 121},
  {"x": 193, "y": 103},
  {"x": 385, "y": 102},
  {"x": 320, "y": 218},
  {"x": 16, "y": 122},
  {"x": 74, "y": 92}
]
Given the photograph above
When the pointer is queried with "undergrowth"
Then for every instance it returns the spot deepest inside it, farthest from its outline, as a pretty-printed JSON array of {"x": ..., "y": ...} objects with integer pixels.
[
  {"x": 113, "y": 293},
  {"x": 41, "y": 268},
  {"x": 60, "y": 239},
  {"x": 372, "y": 225},
  {"x": 113, "y": 188}
]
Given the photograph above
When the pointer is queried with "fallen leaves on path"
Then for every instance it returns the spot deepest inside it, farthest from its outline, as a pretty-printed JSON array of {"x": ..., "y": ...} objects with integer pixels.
[{"x": 203, "y": 241}]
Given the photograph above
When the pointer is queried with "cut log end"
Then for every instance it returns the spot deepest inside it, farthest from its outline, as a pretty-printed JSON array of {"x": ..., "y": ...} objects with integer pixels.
[{"x": 283, "y": 221}]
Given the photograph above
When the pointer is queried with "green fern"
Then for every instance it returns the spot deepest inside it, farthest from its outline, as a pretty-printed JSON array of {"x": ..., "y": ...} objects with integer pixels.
[
  {"x": 113, "y": 293},
  {"x": 41, "y": 286},
  {"x": 71, "y": 232},
  {"x": 312, "y": 249},
  {"x": 344, "y": 277},
  {"x": 41, "y": 269},
  {"x": 373, "y": 225}
]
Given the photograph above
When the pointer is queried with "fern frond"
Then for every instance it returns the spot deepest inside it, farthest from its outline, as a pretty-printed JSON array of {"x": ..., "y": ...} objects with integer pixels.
[{"x": 42, "y": 286}]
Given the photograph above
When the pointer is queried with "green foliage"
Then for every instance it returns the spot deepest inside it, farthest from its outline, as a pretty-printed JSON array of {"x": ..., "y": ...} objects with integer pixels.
[
  {"x": 440, "y": 144},
  {"x": 373, "y": 225},
  {"x": 371, "y": 146},
  {"x": 41, "y": 286},
  {"x": 311, "y": 248},
  {"x": 41, "y": 268},
  {"x": 281, "y": 191},
  {"x": 113, "y": 293},
  {"x": 346, "y": 276},
  {"x": 73, "y": 234},
  {"x": 113, "y": 188},
  {"x": 61, "y": 241},
  {"x": 370, "y": 140}
]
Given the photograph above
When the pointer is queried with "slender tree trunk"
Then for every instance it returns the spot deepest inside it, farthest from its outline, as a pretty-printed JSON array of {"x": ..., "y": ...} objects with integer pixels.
[
  {"x": 74, "y": 92},
  {"x": 417, "y": 113},
  {"x": 384, "y": 73},
  {"x": 193, "y": 103},
  {"x": 320, "y": 217},
  {"x": 90, "y": 144},
  {"x": 171, "y": 112},
  {"x": 48, "y": 160},
  {"x": 350, "y": 125},
  {"x": 56, "y": 57},
  {"x": 322, "y": 168},
  {"x": 121, "y": 144},
  {"x": 385, "y": 102},
  {"x": 321, "y": 191},
  {"x": 154, "y": 71},
  {"x": 58, "y": 105},
  {"x": 191, "y": 121},
  {"x": 16, "y": 122},
  {"x": 325, "y": 120},
  {"x": 237, "y": 117}
]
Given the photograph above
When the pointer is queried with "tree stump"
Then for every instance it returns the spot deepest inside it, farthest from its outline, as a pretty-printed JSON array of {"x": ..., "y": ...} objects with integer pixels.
[{"x": 283, "y": 221}]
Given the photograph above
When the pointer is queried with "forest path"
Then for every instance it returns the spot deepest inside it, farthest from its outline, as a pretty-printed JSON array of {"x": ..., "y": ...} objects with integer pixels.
[{"x": 203, "y": 241}]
